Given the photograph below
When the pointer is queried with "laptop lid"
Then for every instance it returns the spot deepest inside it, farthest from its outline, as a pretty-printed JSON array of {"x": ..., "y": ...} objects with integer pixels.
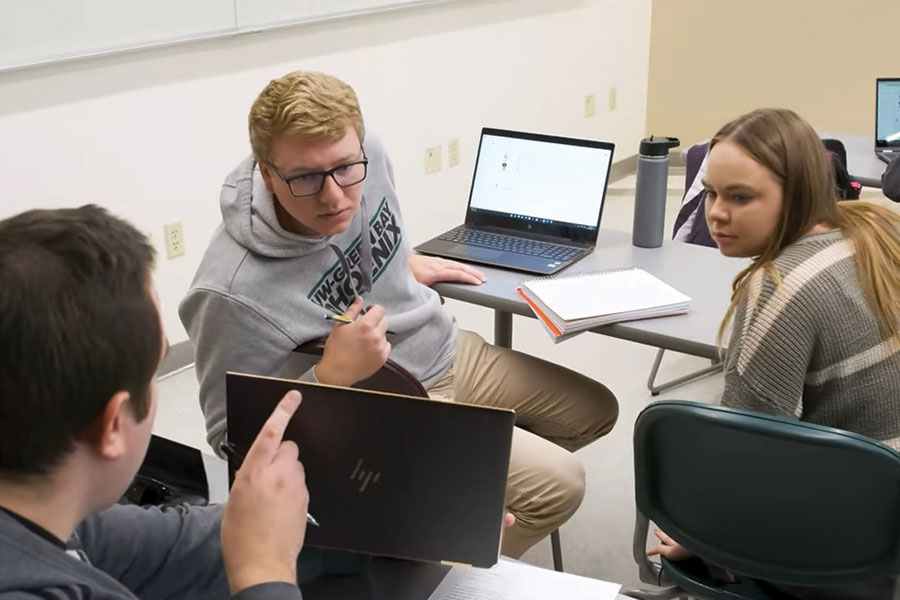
[
  {"x": 540, "y": 184},
  {"x": 388, "y": 474},
  {"x": 887, "y": 114}
]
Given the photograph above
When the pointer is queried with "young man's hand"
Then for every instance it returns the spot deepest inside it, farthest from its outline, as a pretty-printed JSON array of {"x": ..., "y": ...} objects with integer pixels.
[
  {"x": 355, "y": 350},
  {"x": 429, "y": 270},
  {"x": 264, "y": 522},
  {"x": 669, "y": 548}
]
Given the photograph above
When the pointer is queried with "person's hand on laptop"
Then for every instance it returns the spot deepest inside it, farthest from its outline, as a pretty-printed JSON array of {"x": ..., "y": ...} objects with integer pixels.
[
  {"x": 429, "y": 270},
  {"x": 264, "y": 522},
  {"x": 354, "y": 351}
]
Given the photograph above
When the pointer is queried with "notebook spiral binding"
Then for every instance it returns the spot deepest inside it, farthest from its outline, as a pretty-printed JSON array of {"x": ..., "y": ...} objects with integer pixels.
[{"x": 579, "y": 275}]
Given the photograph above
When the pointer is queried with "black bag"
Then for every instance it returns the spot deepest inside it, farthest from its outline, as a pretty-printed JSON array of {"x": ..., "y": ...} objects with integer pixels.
[{"x": 171, "y": 474}]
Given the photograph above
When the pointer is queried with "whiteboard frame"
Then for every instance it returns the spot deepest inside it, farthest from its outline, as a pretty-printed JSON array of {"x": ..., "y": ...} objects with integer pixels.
[{"x": 232, "y": 32}]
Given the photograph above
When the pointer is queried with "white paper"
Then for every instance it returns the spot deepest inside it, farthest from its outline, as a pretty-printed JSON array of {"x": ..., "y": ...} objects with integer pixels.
[
  {"x": 511, "y": 580},
  {"x": 592, "y": 295}
]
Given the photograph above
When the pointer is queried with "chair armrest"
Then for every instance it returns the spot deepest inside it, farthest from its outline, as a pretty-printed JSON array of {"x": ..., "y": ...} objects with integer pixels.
[{"x": 648, "y": 570}]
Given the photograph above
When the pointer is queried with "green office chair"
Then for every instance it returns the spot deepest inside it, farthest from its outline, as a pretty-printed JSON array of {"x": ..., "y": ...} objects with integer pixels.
[{"x": 773, "y": 502}]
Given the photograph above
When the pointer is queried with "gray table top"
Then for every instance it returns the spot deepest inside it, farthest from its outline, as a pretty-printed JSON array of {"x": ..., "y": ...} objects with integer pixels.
[
  {"x": 862, "y": 164},
  {"x": 700, "y": 272},
  {"x": 388, "y": 579}
]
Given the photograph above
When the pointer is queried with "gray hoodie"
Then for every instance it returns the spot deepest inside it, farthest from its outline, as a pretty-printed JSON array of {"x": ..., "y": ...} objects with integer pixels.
[{"x": 262, "y": 291}]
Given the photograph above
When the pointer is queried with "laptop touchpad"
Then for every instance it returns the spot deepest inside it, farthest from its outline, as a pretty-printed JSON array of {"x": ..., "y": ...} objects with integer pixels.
[{"x": 475, "y": 253}]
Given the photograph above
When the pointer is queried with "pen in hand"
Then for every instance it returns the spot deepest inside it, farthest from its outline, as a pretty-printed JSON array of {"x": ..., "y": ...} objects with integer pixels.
[
  {"x": 341, "y": 319},
  {"x": 236, "y": 455}
]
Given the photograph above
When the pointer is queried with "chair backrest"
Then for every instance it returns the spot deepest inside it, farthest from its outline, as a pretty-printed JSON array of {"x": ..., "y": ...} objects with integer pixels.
[
  {"x": 690, "y": 223},
  {"x": 391, "y": 377},
  {"x": 783, "y": 501}
]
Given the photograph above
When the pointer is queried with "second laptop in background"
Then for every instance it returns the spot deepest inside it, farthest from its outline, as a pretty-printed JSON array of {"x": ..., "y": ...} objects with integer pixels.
[{"x": 535, "y": 202}]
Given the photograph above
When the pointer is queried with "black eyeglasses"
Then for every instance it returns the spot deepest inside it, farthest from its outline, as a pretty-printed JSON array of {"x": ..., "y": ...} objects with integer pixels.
[{"x": 310, "y": 184}]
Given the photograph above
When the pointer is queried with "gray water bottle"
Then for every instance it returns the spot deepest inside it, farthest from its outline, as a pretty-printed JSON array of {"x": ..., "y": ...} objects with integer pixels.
[{"x": 650, "y": 191}]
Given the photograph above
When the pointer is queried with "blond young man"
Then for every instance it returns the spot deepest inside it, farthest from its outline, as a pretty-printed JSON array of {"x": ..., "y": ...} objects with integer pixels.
[{"x": 311, "y": 225}]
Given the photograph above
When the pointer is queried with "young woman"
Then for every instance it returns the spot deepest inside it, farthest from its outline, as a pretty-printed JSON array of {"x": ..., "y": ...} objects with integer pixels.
[{"x": 816, "y": 315}]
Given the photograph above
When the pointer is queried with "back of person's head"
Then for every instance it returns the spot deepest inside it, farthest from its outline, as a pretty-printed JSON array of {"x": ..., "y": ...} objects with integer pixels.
[
  {"x": 788, "y": 146},
  {"x": 78, "y": 323},
  {"x": 306, "y": 105}
]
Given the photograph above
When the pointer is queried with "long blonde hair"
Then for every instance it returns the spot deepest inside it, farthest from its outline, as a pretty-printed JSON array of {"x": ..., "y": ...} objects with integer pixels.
[{"x": 786, "y": 145}]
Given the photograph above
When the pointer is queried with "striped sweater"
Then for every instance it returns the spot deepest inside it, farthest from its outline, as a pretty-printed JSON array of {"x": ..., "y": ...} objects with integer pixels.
[{"x": 811, "y": 348}]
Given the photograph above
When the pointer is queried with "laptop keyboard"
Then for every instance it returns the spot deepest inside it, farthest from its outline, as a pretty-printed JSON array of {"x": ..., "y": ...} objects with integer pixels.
[{"x": 509, "y": 243}]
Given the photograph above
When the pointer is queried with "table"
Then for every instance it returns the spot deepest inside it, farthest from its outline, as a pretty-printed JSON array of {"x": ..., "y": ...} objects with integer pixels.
[
  {"x": 387, "y": 580},
  {"x": 862, "y": 164},
  {"x": 702, "y": 273}
]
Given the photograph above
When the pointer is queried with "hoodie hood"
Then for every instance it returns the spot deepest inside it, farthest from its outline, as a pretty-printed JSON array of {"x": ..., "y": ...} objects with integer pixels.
[{"x": 248, "y": 214}]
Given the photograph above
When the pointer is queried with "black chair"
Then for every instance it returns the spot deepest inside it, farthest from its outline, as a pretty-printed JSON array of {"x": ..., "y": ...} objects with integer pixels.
[
  {"x": 395, "y": 379},
  {"x": 771, "y": 501}
]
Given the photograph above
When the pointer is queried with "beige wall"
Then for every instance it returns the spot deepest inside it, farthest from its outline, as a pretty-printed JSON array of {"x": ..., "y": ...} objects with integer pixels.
[{"x": 711, "y": 60}]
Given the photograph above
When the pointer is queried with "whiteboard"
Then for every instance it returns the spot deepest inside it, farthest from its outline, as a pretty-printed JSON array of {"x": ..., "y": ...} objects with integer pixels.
[{"x": 37, "y": 32}]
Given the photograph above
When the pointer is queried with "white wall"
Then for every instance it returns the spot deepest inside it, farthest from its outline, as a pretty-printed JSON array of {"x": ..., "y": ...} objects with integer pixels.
[{"x": 151, "y": 135}]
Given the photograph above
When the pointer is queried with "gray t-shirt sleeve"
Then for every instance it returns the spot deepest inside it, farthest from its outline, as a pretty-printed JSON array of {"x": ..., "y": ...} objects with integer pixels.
[
  {"x": 158, "y": 553},
  {"x": 269, "y": 591},
  {"x": 163, "y": 554}
]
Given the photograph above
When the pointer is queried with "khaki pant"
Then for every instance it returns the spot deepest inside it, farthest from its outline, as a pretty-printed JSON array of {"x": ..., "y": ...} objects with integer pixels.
[{"x": 558, "y": 411}]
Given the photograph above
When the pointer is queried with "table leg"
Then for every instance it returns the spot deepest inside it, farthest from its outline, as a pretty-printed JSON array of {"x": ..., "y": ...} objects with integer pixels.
[{"x": 503, "y": 329}]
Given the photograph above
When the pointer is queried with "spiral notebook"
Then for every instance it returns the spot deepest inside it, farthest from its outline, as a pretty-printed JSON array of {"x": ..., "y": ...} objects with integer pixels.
[{"x": 570, "y": 304}]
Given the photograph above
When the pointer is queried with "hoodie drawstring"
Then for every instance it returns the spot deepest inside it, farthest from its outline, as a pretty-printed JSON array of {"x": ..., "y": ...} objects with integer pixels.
[{"x": 365, "y": 251}]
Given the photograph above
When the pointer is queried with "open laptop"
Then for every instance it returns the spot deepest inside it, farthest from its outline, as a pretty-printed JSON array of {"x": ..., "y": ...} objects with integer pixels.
[
  {"x": 887, "y": 118},
  {"x": 535, "y": 202},
  {"x": 387, "y": 474}
]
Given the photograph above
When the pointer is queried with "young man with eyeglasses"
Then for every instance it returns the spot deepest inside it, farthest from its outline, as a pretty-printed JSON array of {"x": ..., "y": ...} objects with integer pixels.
[{"x": 312, "y": 227}]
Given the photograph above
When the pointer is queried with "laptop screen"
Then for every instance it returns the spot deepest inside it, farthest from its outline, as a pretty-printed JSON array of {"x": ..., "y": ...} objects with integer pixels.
[
  {"x": 887, "y": 113},
  {"x": 540, "y": 184}
]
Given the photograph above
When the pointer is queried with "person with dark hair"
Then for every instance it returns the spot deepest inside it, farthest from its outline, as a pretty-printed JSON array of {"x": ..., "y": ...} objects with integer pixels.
[
  {"x": 890, "y": 180},
  {"x": 81, "y": 342}
]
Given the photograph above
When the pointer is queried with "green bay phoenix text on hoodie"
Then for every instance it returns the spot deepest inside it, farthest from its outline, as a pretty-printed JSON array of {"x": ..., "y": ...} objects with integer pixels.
[{"x": 261, "y": 291}]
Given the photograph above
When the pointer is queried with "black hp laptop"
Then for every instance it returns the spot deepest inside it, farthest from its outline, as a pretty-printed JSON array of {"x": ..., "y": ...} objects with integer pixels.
[
  {"x": 535, "y": 202},
  {"x": 887, "y": 118},
  {"x": 387, "y": 474}
]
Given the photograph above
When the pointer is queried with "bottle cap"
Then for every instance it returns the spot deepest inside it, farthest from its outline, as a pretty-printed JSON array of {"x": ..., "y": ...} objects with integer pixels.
[{"x": 658, "y": 145}]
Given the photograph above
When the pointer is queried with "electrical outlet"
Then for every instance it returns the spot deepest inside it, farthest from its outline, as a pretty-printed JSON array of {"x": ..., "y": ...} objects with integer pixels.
[
  {"x": 174, "y": 236},
  {"x": 432, "y": 159},
  {"x": 613, "y": 98},
  {"x": 590, "y": 106},
  {"x": 453, "y": 152}
]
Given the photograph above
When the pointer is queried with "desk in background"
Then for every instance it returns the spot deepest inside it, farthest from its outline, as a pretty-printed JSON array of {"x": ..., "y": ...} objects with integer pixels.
[{"x": 702, "y": 273}]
